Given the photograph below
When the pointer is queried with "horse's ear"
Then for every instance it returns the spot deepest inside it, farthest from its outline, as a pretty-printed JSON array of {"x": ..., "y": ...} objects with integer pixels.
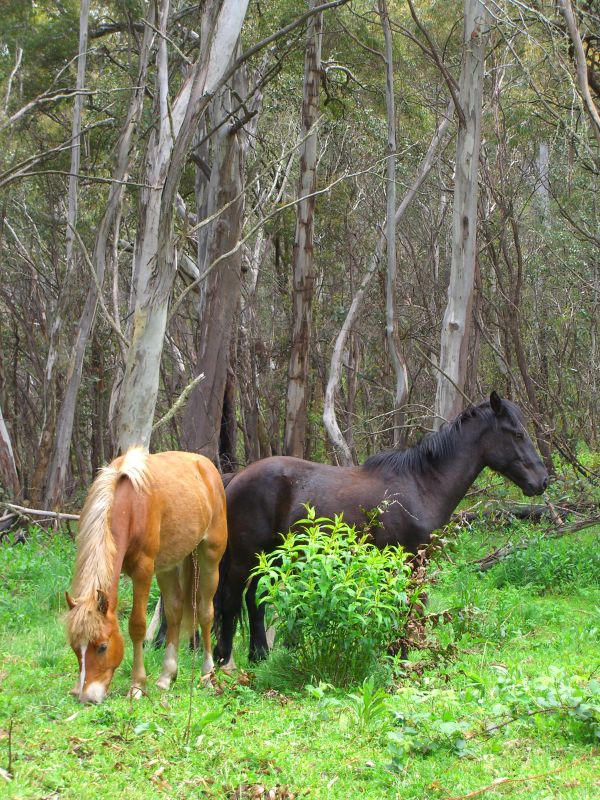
[
  {"x": 70, "y": 602},
  {"x": 102, "y": 602},
  {"x": 496, "y": 404}
]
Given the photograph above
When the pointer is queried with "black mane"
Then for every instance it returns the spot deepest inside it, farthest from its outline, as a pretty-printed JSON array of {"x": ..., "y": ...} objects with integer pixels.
[{"x": 434, "y": 447}]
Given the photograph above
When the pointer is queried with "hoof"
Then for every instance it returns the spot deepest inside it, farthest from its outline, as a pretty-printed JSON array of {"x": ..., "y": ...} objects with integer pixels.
[
  {"x": 207, "y": 679},
  {"x": 135, "y": 693},
  {"x": 164, "y": 682}
]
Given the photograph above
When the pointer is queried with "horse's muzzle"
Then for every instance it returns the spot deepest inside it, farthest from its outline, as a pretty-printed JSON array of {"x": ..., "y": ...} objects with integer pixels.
[{"x": 95, "y": 693}]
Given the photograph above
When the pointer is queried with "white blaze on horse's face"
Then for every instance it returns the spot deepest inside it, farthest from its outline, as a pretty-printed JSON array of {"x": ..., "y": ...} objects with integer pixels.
[{"x": 82, "y": 650}]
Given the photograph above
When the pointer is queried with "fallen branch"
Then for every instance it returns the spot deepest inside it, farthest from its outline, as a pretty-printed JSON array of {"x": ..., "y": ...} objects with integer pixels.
[
  {"x": 7, "y": 521},
  {"x": 500, "y": 781},
  {"x": 487, "y": 562},
  {"x": 36, "y": 512},
  {"x": 535, "y": 512}
]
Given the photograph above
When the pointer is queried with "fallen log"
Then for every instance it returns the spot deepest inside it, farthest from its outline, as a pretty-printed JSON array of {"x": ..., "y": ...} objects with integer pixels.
[
  {"x": 487, "y": 562},
  {"x": 535, "y": 512}
]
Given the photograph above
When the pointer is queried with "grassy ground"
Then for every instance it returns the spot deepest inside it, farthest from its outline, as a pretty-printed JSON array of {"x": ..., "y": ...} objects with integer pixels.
[{"x": 505, "y": 709}]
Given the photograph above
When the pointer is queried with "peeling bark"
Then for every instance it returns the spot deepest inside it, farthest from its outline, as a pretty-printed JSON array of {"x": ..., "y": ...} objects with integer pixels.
[{"x": 64, "y": 430}]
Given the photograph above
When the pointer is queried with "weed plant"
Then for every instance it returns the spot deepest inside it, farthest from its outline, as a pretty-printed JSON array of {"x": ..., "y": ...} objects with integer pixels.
[{"x": 338, "y": 598}]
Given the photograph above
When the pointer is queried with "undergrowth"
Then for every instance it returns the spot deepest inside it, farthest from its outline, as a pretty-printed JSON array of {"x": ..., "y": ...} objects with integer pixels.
[{"x": 505, "y": 700}]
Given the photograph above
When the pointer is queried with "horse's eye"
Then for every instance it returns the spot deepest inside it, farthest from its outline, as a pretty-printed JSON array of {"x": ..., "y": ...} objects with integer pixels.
[{"x": 102, "y": 648}]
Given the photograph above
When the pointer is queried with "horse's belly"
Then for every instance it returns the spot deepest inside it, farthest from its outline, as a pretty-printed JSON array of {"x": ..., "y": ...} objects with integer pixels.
[
  {"x": 174, "y": 548},
  {"x": 182, "y": 528}
]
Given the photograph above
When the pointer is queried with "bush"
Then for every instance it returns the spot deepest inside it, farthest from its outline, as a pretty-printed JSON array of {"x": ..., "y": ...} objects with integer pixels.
[{"x": 337, "y": 597}]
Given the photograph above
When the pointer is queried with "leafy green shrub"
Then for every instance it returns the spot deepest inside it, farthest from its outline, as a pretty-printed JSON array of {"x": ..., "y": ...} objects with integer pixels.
[
  {"x": 339, "y": 598},
  {"x": 551, "y": 564}
]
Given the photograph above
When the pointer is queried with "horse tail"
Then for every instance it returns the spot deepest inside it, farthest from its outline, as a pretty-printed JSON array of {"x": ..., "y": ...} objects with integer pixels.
[{"x": 95, "y": 543}]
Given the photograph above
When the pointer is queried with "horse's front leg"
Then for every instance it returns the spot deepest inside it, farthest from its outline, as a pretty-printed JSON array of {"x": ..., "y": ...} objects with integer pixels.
[
  {"x": 142, "y": 580},
  {"x": 172, "y": 596}
]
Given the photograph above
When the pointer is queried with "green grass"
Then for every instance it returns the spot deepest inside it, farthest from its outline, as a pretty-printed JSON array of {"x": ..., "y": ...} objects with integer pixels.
[{"x": 513, "y": 644}]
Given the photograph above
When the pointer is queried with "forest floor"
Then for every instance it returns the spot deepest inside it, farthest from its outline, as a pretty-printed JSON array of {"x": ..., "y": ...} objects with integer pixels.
[{"x": 506, "y": 704}]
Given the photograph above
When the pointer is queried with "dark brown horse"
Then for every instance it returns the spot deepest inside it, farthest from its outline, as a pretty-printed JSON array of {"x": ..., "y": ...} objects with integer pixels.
[{"x": 416, "y": 489}]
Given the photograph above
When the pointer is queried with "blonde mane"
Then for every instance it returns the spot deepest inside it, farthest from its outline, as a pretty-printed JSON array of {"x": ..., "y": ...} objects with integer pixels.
[{"x": 95, "y": 544}]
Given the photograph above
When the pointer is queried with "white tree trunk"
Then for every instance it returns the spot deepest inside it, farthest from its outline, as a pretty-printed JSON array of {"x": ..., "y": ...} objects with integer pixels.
[
  {"x": 8, "y": 469},
  {"x": 581, "y": 65},
  {"x": 336, "y": 436},
  {"x": 391, "y": 324},
  {"x": 303, "y": 256},
  {"x": 154, "y": 266},
  {"x": 457, "y": 318}
]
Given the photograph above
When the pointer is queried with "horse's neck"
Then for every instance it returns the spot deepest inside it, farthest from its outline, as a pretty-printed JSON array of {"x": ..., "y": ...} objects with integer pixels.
[
  {"x": 97, "y": 570},
  {"x": 455, "y": 474},
  {"x": 119, "y": 556}
]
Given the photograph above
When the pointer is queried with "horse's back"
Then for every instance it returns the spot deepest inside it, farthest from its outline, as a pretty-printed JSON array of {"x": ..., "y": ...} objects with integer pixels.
[
  {"x": 185, "y": 505},
  {"x": 270, "y": 495}
]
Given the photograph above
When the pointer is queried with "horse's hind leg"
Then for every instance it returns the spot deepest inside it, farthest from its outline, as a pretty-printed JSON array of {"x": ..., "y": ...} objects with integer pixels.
[
  {"x": 170, "y": 584},
  {"x": 142, "y": 579},
  {"x": 208, "y": 558},
  {"x": 259, "y": 646},
  {"x": 231, "y": 607}
]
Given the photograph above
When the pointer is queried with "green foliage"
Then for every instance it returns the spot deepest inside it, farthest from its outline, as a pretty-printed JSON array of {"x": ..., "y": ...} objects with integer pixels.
[
  {"x": 502, "y": 697},
  {"x": 569, "y": 704},
  {"x": 555, "y": 565},
  {"x": 425, "y": 733},
  {"x": 337, "y": 596},
  {"x": 367, "y": 707},
  {"x": 35, "y": 584},
  {"x": 572, "y": 698}
]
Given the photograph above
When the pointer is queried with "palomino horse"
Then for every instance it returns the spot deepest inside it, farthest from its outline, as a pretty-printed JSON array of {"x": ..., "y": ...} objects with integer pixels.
[
  {"x": 145, "y": 514},
  {"x": 415, "y": 489}
]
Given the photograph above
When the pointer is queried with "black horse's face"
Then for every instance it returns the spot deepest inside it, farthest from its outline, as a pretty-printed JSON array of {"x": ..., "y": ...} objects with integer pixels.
[{"x": 510, "y": 451}]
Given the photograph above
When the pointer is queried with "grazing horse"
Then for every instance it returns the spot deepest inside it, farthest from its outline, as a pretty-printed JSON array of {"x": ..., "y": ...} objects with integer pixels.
[
  {"x": 416, "y": 491},
  {"x": 145, "y": 514}
]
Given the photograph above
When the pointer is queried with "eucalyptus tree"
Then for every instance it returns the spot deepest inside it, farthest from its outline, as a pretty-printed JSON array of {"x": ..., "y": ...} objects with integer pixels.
[
  {"x": 154, "y": 268},
  {"x": 456, "y": 325},
  {"x": 220, "y": 154},
  {"x": 303, "y": 254}
]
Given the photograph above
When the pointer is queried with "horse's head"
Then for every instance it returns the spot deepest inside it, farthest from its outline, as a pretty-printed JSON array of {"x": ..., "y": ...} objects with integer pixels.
[
  {"x": 97, "y": 642},
  {"x": 509, "y": 450}
]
